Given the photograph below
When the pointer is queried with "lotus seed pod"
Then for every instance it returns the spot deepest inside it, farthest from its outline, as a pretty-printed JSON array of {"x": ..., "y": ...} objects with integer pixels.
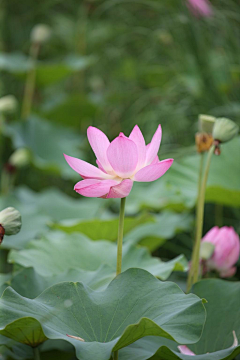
[
  {"x": 206, "y": 123},
  {"x": 8, "y": 104},
  {"x": 224, "y": 130},
  {"x": 203, "y": 141},
  {"x": 20, "y": 158},
  {"x": 10, "y": 220},
  {"x": 40, "y": 33}
]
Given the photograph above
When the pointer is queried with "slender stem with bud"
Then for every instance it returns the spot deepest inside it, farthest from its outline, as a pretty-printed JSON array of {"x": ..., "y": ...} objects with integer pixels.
[
  {"x": 30, "y": 81},
  {"x": 194, "y": 270}
]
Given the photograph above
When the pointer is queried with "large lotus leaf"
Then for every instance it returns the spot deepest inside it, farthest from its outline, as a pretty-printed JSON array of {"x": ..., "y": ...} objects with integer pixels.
[
  {"x": 178, "y": 187},
  {"x": 58, "y": 252},
  {"x": 134, "y": 305},
  {"x": 97, "y": 229},
  {"x": 223, "y": 313},
  {"x": 29, "y": 283},
  {"x": 39, "y": 209},
  {"x": 47, "y": 143}
]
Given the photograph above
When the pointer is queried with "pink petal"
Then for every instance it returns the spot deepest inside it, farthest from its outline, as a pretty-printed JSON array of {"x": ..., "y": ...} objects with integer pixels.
[
  {"x": 123, "y": 156},
  {"x": 185, "y": 350},
  {"x": 99, "y": 143},
  {"x": 153, "y": 147},
  {"x": 94, "y": 188},
  {"x": 100, "y": 166},
  {"x": 121, "y": 190},
  {"x": 137, "y": 136},
  {"x": 85, "y": 169},
  {"x": 153, "y": 172},
  {"x": 155, "y": 160}
]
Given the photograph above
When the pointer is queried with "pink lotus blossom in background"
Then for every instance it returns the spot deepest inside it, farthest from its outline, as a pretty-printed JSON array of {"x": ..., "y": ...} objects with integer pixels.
[
  {"x": 120, "y": 163},
  {"x": 200, "y": 7},
  {"x": 226, "y": 252}
]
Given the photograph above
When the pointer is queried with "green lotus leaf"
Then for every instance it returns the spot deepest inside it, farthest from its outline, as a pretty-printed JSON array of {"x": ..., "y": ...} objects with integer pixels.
[
  {"x": 223, "y": 313},
  {"x": 46, "y": 153},
  {"x": 58, "y": 252},
  {"x": 97, "y": 229},
  {"x": 39, "y": 209},
  {"x": 150, "y": 232},
  {"x": 134, "y": 305}
]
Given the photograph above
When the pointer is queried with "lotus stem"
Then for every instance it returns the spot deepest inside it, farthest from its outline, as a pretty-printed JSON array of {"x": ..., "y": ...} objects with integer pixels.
[
  {"x": 36, "y": 353},
  {"x": 30, "y": 82},
  {"x": 194, "y": 270},
  {"x": 120, "y": 236}
]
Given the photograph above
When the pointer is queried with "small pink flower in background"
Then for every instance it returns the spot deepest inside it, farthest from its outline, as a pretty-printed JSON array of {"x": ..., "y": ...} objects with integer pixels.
[
  {"x": 226, "y": 252},
  {"x": 120, "y": 163},
  {"x": 200, "y": 7}
]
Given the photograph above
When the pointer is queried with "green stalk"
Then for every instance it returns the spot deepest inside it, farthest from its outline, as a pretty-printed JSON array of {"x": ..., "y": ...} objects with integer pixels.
[
  {"x": 30, "y": 82},
  {"x": 119, "y": 248},
  {"x": 120, "y": 236},
  {"x": 36, "y": 353},
  {"x": 194, "y": 270}
]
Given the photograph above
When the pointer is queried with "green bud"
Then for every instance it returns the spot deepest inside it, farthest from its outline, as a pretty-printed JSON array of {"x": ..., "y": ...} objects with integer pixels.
[
  {"x": 206, "y": 123},
  {"x": 40, "y": 33},
  {"x": 10, "y": 220},
  {"x": 206, "y": 250},
  {"x": 8, "y": 104},
  {"x": 20, "y": 158},
  {"x": 224, "y": 129}
]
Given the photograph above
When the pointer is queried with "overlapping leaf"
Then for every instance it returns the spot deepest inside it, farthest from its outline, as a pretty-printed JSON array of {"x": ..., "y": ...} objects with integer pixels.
[
  {"x": 217, "y": 339},
  {"x": 134, "y": 305},
  {"x": 58, "y": 252}
]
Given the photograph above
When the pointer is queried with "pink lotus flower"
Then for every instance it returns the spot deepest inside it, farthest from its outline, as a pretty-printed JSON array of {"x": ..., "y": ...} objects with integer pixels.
[
  {"x": 226, "y": 252},
  {"x": 200, "y": 8},
  {"x": 120, "y": 163}
]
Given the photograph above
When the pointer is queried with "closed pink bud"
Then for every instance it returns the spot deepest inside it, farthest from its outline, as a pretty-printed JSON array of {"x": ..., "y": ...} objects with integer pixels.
[{"x": 226, "y": 252}]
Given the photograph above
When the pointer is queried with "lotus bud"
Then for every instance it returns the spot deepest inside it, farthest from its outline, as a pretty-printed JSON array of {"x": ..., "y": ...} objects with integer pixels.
[
  {"x": 226, "y": 250},
  {"x": 40, "y": 33},
  {"x": 20, "y": 158},
  {"x": 10, "y": 222},
  {"x": 8, "y": 104},
  {"x": 206, "y": 123},
  {"x": 224, "y": 130}
]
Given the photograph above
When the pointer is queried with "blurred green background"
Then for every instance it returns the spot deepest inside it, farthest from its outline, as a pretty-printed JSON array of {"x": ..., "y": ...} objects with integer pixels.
[{"x": 113, "y": 64}]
